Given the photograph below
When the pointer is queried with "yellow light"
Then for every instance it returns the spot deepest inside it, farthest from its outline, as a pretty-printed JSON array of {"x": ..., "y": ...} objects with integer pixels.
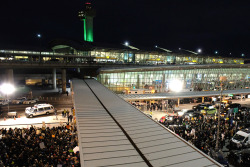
[{"x": 107, "y": 57}]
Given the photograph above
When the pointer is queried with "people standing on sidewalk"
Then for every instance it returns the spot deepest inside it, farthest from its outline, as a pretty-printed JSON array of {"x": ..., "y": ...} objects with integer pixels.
[
  {"x": 64, "y": 113},
  {"x": 67, "y": 113},
  {"x": 70, "y": 117}
]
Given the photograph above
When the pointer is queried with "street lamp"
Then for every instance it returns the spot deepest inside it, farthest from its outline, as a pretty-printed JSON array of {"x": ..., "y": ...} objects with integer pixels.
[
  {"x": 222, "y": 79},
  {"x": 7, "y": 89},
  {"x": 39, "y": 36},
  {"x": 199, "y": 50}
]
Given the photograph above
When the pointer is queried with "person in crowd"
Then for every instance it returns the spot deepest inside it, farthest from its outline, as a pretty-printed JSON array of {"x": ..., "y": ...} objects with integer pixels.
[
  {"x": 64, "y": 113},
  {"x": 67, "y": 113}
]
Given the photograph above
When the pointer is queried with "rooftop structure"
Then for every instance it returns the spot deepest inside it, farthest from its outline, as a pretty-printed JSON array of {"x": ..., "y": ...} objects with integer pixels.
[{"x": 111, "y": 132}]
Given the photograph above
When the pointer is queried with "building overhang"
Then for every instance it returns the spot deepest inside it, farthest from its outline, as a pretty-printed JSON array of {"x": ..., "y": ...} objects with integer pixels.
[{"x": 174, "y": 67}]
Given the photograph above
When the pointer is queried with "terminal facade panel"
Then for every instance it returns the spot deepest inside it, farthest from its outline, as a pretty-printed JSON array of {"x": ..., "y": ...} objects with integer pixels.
[{"x": 192, "y": 79}]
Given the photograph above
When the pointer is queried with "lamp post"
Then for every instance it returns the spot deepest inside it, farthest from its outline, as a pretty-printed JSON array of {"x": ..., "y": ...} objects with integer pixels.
[
  {"x": 222, "y": 79},
  {"x": 39, "y": 36},
  {"x": 7, "y": 89}
]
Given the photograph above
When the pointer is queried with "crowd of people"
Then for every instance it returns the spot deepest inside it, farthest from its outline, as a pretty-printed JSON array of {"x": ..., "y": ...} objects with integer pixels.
[
  {"x": 40, "y": 147},
  {"x": 202, "y": 131}
]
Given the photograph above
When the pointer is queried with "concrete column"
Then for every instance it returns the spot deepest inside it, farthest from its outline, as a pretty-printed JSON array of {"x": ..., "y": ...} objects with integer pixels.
[
  {"x": 202, "y": 100},
  {"x": 10, "y": 77},
  {"x": 163, "y": 83},
  {"x": 63, "y": 80},
  {"x": 241, "y": 97},
  {"x": 138, "y": 82},
  {"x": 178, "y": 102},
  {"x": 162, "y": 104},
  {"x": 54, "y": 78}
]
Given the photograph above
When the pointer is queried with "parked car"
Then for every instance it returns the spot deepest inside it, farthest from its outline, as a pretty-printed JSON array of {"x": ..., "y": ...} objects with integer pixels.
[
  {"x": 180, "y": 113},
  {"x": 30, "y": 101},
  {"x": 211, "y": 111},
  {"x": 228, "y": 98},
  {"x": 3, "y": 102},
  {"x": 202, "y": 106},
  {"x": 240, "y": 158},
  {"x": 170, "y": 119},
  {"x": 188, "y": 113},
  {"x": 18, "y": 100},
  {"x": 239, "y": 97},
  {"x": 234, "y": 105}
]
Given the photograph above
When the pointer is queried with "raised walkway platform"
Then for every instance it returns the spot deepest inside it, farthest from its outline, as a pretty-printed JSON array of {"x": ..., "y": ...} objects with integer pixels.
[{"x": 113, "y": 133}]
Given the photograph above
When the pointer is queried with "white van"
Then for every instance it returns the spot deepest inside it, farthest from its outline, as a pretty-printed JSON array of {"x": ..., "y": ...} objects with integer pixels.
[
  {"x": 241, "y": 139},
  {"x": 39, "y": 109}
]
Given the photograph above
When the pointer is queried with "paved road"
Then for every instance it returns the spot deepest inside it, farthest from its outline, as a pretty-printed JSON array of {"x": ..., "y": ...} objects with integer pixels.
[{"x": 59, "y": 101}]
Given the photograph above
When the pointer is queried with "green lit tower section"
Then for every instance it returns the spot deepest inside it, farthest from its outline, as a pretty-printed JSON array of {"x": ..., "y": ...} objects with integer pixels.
[{"x": 87, "y": 16}]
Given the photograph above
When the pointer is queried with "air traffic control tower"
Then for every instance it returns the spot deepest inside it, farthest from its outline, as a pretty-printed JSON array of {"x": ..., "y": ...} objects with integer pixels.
[{"x": 87, "y": 16}]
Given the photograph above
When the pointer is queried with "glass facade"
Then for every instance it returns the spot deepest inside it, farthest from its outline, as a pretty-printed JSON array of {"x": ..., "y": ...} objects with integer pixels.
[
  {"x": 120, "y": 56},
  {"x": 192, "y": 79},
  {"x": 146, "y": 57}
]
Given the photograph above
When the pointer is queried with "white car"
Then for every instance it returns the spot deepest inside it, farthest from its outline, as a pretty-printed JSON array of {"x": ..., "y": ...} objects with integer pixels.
[
  {"x": 30, "y": 101},
  {"x": 18, "y": 100},
  {"x": 183, "y": 111},
  {"x": 239, "y": 97},
  {"x": 228, "y": 98},
  {"x": 3, "y": 102}
]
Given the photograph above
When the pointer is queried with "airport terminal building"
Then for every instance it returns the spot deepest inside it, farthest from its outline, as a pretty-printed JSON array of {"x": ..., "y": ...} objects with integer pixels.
[
  {"x": 154, "y": 69},
  {"x": 191, "y": 77}
]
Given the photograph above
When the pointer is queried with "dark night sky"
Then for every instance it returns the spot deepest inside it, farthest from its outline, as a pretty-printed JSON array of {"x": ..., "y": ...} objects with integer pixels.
[{"x": 222, "y": 25}]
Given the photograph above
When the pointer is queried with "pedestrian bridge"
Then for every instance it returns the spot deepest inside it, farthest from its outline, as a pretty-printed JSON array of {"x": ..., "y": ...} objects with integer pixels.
[{"x": 112, "y": 132}]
